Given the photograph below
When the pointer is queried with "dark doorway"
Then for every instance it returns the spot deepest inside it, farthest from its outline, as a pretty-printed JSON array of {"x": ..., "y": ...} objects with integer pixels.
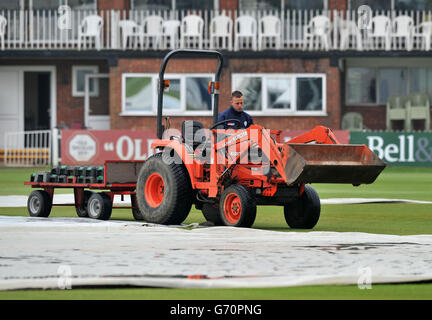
[{"x": 37, "y": 100}]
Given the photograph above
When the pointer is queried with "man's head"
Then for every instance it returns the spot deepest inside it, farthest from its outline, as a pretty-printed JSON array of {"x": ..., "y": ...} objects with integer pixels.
[{"x": 237, "y": 100}]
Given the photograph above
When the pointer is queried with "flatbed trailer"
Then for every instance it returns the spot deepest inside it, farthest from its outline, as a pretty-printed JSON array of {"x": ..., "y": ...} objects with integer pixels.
[{"x": 94, "y": 200}]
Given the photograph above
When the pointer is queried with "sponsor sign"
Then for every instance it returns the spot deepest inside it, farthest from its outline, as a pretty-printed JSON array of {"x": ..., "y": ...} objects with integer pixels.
[
  {"x": 398, "y": 148},
  {"x": 96, "y": 146}
]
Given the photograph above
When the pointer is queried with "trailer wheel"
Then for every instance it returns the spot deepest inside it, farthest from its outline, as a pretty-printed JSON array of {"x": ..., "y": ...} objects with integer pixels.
[
  {"x": 304, "y": 213},
  {"x": 211, "y": 213},
  {"x": 83, "y": 212},
  {"x": 39, "y": 204},
  {"x": 99, "y": 206},
  {"x": 164, "y": 192},
  {"x": 237, "y": 207}
]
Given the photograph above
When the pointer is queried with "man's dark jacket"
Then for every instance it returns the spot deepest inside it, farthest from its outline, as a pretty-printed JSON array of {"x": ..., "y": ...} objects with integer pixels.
[{"x": 230, "y": 113}]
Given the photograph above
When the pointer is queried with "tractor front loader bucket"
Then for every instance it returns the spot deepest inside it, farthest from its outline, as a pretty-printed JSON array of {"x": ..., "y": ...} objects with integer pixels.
[{"x": 332, "y": 163}]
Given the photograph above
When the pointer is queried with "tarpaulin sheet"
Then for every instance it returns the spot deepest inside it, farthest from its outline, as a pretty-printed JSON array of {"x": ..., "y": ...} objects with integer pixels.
[{"x": 73, "y": 252}]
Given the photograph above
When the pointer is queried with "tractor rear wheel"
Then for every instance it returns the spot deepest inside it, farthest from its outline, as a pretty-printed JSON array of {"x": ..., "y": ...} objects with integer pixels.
[
  {"x": 304, "y": 213},
  {"x": 211, "y": 214},
  {"x": 164, "y": 191},
  {"x": 237, "y": 207}
]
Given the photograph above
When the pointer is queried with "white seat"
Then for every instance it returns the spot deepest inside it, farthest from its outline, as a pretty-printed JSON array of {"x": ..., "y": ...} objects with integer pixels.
[
  {"x": 381, "y": 29},
  {"x": 347, "y": 30},
  {"x": 269, "y": 27},
  {"x": 170, "y": 32},
  {"x": 3, "y": 23},
  {"x": 192, "y": 26},
  {"x": 91, "y": 26},
  {"x": 245, "y": 28},
  {"x": 319, "y": 27},
  {"x": 424, "y": 32},
  {"x": 129, "y": 29},
  {"x": 221, "y": 29},
  {"x": 152, "y": 31},
  {"x": 402, "y": 28}
]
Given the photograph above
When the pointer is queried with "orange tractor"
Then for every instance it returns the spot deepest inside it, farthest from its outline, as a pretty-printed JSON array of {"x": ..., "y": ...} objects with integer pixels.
[{"x": 227, "y": 173}]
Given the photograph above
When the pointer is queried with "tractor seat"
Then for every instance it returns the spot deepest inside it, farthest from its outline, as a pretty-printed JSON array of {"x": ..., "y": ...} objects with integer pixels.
[{"x": 190, "y": 135}]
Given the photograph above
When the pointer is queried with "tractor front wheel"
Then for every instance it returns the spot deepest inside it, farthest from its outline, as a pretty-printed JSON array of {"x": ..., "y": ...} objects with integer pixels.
[
  {"x": 211, "y": 213},
  {"x": 237, "y": 207},
  {"x": 304, "y": 213}
]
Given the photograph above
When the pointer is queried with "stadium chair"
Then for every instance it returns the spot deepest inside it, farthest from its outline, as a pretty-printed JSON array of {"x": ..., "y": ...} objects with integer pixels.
[
  {"x": 152, "y": 29},
  {"x": 319, "y": 27},
  {"x": 402, "y": 28},
  {"x": 352, "y": 121},
  {"x": 269, "y": 27},
  {"x": 381, "y": 29},
  {"x": 91, "y": 27},
  {"x": 192, "y": 26},
  {"x": 424, "y": 32},
  {"x": 170, "y": 34},
  {"x": 221, "y": 28},
  {"x": 3, "y": 23},
  {"x": 397, "y": 110},
  {"x": 245, "y": 28},
  {"x": 347, "y": 30},
  {"x": 418, "y": 108}
]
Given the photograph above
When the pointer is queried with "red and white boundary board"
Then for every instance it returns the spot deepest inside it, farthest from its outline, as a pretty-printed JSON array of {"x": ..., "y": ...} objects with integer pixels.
[{"x": 93, "y": 147}]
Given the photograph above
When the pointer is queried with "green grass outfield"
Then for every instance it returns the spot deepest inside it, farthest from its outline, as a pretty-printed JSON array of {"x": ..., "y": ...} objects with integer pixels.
[{"x": 382, "y": 218}]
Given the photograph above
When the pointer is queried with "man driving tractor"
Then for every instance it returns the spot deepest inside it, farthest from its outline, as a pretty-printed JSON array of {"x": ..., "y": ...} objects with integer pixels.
[{"x": 235, "y": 111}]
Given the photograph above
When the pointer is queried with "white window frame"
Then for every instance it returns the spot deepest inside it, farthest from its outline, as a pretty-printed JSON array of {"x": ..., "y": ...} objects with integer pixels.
[
  {"x": 266, "y": 111},
  {"x": 155, "y": 79},
  {"x": 75, "y": 69}
]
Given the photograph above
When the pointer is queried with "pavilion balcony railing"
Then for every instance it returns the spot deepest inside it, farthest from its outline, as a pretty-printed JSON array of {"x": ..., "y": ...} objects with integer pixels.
[{"x": 260, "y": 30}]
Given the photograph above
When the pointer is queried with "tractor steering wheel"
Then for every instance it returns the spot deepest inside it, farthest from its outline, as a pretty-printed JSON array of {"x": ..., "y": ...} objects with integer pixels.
[{"x": 227, "y": 120}]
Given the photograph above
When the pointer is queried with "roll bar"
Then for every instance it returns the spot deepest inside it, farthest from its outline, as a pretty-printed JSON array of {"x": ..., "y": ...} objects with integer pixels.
[{"x": 173, "y": 53}]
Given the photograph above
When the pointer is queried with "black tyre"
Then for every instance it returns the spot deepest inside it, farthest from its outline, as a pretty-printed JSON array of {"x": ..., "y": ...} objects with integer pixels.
[
  {"x": 99, "y": 206},
  {"x": 164, "y": 192},
  {"x": 137, "y": 214},
  {"x": 211, "y": 213},
  {"x": 39, "y": 204},
  {"x": 304, "y": 213},
  {"x": 83, "y": 212},
  {"x": 237, "y": 207}
]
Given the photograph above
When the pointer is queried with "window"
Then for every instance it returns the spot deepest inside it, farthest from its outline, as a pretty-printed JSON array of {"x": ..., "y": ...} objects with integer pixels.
[
  {"x": 54, "y": 4},
  {"x": 421, "y": 80},
  {"x": 375, "y": 85},
  {"x": 174, "y": 4},
  {"x": 260, "y": 4},
  {"x": 305, "y": 5},
  {"x": 412, "y": 4},
  {"x": 309, "y": 94},
  {"x": 138, "y": 93},
  {"x": 361, "y": 86},
  {"x": 375, "y": 5},
  {"x": 187, "y": 93},
  {"x": 78, "y": 77},
  {"x": 392, "y": 81},
  {"x": 282, "y": 93}
]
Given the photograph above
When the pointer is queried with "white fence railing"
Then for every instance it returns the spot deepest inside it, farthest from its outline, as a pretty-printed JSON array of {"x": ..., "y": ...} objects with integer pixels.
[
  {"x": 27, "y": 148},
  {"x": 45, "y": 29}
]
